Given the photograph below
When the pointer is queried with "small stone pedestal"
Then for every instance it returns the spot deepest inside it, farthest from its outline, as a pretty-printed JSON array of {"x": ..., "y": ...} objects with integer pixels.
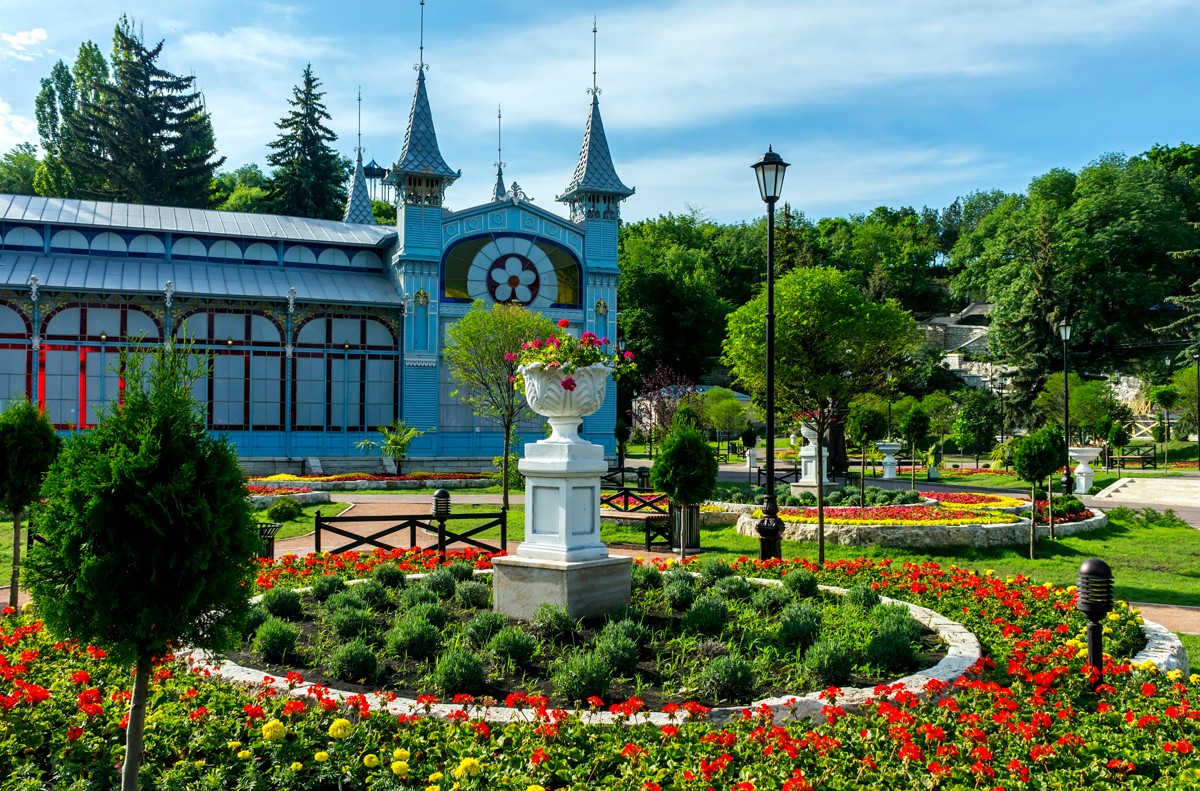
[
  {"x": 1085, "y": 476},
  {"x": 561, "y": 560},
  {"x": 888, "y": 449}
]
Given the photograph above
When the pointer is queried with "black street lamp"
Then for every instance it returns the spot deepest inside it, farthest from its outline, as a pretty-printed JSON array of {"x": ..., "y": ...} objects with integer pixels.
[
  {"x": 1064, "y": 332},
  {"x": 769, "y": 170},
  {"x": 1095, "y": 600}
]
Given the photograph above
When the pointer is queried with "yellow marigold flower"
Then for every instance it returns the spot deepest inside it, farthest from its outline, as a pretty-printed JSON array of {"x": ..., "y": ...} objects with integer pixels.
[
  {"x": 274, "y": 730},
  {"x": 244, "y": 754},
  {"x": 468, "y": 767},
  {"x": 436, "y": 777},
  {"x": 200, "y": 764},
  {"x": 1148, "y": 666},
  {"x": 1107, "y": 630},
  {"x": 1138, "y": 620},
  {"x": 433, "y": 788},
  {"x": 340, "y": 729},
  {"x": 233, "y": 745},
  {"x": 1112, "y": 616},
  {"x": 1072, "y": 588},
  {"x": 988, "y": 572},
  {"x": 297, "y": 766},
  {"x": 1194, "y": 678},
  {"x": 1081, "y": 653},
  {"x": 370, "y": 760},
  {"x": 1175, "y": 675},
  {"x": 400, "y": 754},
  {"x": 400, "y": 769},
  {"x": 535, "y": 788},
  {"x": 321, "y": 757}
]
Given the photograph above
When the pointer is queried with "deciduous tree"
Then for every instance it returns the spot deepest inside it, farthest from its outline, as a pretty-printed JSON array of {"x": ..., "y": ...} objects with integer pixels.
[{"x": 28, "y": 446}]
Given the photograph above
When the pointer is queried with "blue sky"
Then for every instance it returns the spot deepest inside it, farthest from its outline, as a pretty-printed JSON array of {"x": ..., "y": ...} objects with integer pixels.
[{"x": 873, "y": 103}]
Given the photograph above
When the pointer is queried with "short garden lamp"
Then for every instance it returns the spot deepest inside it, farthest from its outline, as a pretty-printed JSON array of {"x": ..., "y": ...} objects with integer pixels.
[
  {"x": 769, "y": 170},
  {"x": 1095, "y": 601},
  {"x": 441, "y": 504},
  {"x": 1064, "y": 332}
]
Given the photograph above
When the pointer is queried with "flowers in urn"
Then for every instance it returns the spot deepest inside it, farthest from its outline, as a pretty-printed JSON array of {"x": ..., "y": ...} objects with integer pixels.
[{"x": 564, "y": 355}]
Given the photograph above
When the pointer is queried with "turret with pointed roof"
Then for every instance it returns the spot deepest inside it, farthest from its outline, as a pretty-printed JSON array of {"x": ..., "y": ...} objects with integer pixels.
[{"x": 358, "y": 203}]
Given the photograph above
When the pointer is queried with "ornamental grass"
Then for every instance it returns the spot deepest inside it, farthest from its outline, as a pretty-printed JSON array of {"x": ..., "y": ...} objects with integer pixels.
[
  {"x": 906, "y": 515},
  {"x": 1024, "y": 717}
]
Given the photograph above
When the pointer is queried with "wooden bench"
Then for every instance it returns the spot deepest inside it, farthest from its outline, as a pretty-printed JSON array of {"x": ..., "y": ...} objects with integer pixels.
[
  {"x": 1147, "y": 459},
  {"x": 657, "y": 527}
]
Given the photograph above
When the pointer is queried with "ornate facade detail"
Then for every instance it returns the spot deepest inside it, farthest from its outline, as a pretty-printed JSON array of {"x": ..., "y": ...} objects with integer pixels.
[
  {"x": 291, "y": 299},
  {"x": 517, "y": 195},
  {"x": 601, "y": 308},
  {"x": 33, "y": 288},
  {"x": 168, "y": 292},
  {"x": 421, "y": 298}
]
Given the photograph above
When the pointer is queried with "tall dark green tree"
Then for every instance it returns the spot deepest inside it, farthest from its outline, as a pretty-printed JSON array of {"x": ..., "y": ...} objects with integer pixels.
[
  {"x": 17, "y": 170},
  {"x": 309, "y": 177},
  {"x": 146, "y": 136},
  {"x": 60, "y": 99}
]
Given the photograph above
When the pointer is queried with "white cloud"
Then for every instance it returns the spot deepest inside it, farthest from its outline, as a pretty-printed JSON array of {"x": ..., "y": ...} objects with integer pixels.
[
  {"x": 15, "y": 128},
  {"x": 22, "y": 45}
]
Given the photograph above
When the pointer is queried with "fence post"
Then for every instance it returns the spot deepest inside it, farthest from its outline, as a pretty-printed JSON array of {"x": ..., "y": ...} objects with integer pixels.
[
  {"x": 441, "y": 510},
  {"x": 643, "y": 477},
  {"x": 317, "y": 533},
  {"x": 504, "y": 530}
]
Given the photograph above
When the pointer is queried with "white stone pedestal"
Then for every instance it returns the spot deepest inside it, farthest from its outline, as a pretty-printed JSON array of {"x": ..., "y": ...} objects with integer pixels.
[
  {"x": 808, "y": 460},
  {"x": 561, "y": 560},
  {"x": 1085, "y": 476},
  {"x": 889, "y": 460}
]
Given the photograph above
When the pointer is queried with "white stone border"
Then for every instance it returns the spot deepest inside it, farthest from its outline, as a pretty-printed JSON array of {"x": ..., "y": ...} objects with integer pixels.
[
  {"x": 922, "y": 536},
  {"x": 1163, "y": 648},
  {"x": 261, "y": 501},
  {"x": 962, "y": 650}
]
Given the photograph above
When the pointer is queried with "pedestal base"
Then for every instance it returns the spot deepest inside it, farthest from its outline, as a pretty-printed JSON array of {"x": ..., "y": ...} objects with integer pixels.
[{"x": 586, "y": 588}]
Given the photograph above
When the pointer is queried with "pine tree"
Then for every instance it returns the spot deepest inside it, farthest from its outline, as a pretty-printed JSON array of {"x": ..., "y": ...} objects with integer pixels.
[
  {"x": 144, "y": 136},
  {"x": 309, "y": 176}
]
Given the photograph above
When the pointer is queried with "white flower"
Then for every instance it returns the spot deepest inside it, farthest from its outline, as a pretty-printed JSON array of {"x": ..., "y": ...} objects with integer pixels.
[{"x": 512, "y": 280}]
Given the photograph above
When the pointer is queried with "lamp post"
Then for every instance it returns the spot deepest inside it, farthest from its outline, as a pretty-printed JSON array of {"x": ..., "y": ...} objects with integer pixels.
[
  {"x": 769, "y": 170},
  {"x": 1003, "y": 419},
  {"x": 1196, "y": 358},
  {"x": 1064, "y": 332},
  {"x": 1095, "y": 601}
]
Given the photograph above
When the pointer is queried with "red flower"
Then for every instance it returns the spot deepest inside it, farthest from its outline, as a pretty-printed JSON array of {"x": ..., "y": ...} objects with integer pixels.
[
  {"x": 294, "y": 707},
  {"x": 670, "y": 731},
  {"x": 564, "y": 323},
  {"x": 569, "y": 384},
  {"x": 1149, "y": 689},
  {"x": 198, "y": 714},
  {"x": 632, "y": 751},
  {"x": 81, "y": 677},
  {"x": 538, "y": 756},
  {"x": 73, "y": 733}
]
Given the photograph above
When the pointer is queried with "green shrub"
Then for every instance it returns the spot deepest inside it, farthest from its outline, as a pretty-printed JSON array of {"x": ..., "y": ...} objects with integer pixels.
[
  {"x": 679, "y": 594},
  {"x": 553, "y": 622},
  {"x": 646, "y": 577},
  {"x": 442, "y": 582},
  {"x": 390, "y": 575},
  {"x": 806, "y": 499},
  {"x": 678, "y": 573},
  {"x": 323, "y": 587},
  {"x": 801, "y": 583},
  {"x": 473, "y": 595},
  {"x": 707, "y": 615},
  {"x": 430, "y": 611},
  {"x": 728, "y": 678},
  {"x": 413, "y": 637},
  {"x": 346, "y": 599},
  {"x": 354, "y": 661},
  {"x": 415, "y": 595},
  {"x": 483, "y": 625},
  {"x": 461, "y": 571},
  {"x": 835, "y": 497},
  {"x": 861, "y": 597},
  {"x": 282, "y": 603},
  {"x": 457, "y": 671},
  {"x": 770, "y": 599},
  {"x": 284, "y": 509},
  {"x": 349, "y": 622},
  {"x": 581, "y": 676},
  {"x": 892, "y": 650},
  {"x": 799, "y": 627},
  {"x": 712, "y": 570},
  {"x": 373, "y": 592},
  {"x": 895, "y": 617},
  {"x": 255, "y": 616},
  {"x": 734, "y": 588},
  {"x": 626, "y": 628},
  {"x": 630, "y": 612},
  {"x": 828, "y": 663},
  {"x": 275, "y": 640},
  {"x": 513, "y": 644},
  {"x": 619, "y": 652}
]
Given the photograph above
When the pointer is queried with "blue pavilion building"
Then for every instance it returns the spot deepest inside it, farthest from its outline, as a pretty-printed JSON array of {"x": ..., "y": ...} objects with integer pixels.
[{"x": 318, "y": 330}]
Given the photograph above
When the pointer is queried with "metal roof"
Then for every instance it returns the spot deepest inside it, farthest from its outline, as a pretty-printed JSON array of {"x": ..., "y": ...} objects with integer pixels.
[
  {"x": 358, "y": 202},
  {"x": 595, "y": 172},
  {"x": 134, "y": 276},
  {"x": 421, "y": 154},
  {"x": 65, "y": 211}
]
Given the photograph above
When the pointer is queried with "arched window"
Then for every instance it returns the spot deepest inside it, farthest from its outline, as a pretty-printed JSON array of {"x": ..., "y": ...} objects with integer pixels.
[
  {"x": 14, "y": 356},
  {"x": 245, "y": 390},
  {"x": 345, "y": 372}
]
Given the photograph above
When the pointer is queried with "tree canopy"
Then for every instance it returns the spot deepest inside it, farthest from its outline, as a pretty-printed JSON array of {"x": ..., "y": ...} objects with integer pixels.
[{"x": 308, "y": 177}]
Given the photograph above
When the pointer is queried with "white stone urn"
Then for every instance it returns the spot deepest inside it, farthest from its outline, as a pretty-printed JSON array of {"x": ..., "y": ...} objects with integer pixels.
[
  {"x": 889, "y": 450},
  {"x": 564, "y": 408},
  {"x": 1085, "y": 476}
]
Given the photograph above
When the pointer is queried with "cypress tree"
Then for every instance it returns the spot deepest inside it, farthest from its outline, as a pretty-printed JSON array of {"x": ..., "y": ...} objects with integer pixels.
[
  {"x": 309, "y": 176},
  {"x": 144, "y": 136}
]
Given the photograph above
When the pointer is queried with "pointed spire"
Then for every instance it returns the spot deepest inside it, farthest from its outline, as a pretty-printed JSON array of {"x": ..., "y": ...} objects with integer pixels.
[
  {"x": 358, "y": 202},
  {"x": 421, "y": 155},
  {"x": 498, "y": 191},
  {"x": 595, "y": 173}
]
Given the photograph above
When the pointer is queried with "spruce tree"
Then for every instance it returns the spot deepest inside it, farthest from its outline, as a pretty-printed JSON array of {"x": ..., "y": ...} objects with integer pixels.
[
  {"x": 309, "y": 176},
  {"x": 144, "y": 136}
]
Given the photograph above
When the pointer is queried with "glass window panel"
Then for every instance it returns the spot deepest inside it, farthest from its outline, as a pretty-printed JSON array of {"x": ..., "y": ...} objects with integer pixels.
[
  {"x": 310, "y": 392},
  {"x": 104, "y": 320},
  {"x": 312, "y": 333},
  {"x": 263, "y": 329},
  {"x": 11, "y": 322},
  {"x": 61, "y": 391},
  {"x": 381, "y": 392},
  {"x": 229, "y": 325},
  {"x": 65, "y": 322},
  {"x": 228, "y": 390},
  {"x": 103, "y": 383},
  {"x": 138, "y": 324},
  {"x": 347, "y": 331},
  {"x": 378, "y": 334},
  {"x": 14, "y": 363},
  {"x": 265, "y": 376}
]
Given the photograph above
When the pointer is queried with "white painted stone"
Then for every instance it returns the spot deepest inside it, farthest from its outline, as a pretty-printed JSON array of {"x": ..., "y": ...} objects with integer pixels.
[
  {"x": 808, "y": 459},
  {"x": 1085, "y": 476},
  {"x": 1163, "y": 648},
  {"x": 562, "y": 501},
  {"x": 889, "y": 449}
]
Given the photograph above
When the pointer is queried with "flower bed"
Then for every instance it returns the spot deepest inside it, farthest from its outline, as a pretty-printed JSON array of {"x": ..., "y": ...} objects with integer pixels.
[
  {"x": 895, "y": 515},
  {"x": 953, "y": 472},
  {"x": 978, "y": 499},
  {"x": 1023, "y": 717},
  {"x": 275, "y": 491},
  {"x": 376, "y": 477},
  {"x": 361, "y": 480}
]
